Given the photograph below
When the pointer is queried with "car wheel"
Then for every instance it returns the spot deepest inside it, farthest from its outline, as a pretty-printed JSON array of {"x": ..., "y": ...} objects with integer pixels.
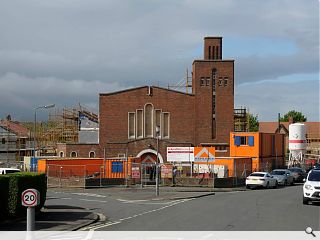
[
  {"x": 276, "y": 184},
  {"x": 305, "y": 200},
  {"x": 285, "y": 183},
  {"x": 267, "y": 186},
  {"x": 247, "y": 187},
  {"x": 292, "y": 183}
]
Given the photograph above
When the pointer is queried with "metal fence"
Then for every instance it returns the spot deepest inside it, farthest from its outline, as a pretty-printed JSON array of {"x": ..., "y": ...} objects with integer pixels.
[{"x": 132, "y": 174}]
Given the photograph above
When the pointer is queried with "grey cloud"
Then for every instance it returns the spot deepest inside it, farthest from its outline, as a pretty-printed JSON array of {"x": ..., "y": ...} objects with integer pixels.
[
  {"x": 76, "y": 49},
  {"x": 269, "y": 98}
]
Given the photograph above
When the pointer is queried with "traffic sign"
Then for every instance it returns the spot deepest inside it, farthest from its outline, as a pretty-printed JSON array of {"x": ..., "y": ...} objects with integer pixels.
[{"x": 30, "y": 198}]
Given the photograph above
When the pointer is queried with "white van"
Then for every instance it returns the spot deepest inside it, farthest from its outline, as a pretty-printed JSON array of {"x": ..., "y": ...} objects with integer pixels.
[{"x": 8, "y": 170}]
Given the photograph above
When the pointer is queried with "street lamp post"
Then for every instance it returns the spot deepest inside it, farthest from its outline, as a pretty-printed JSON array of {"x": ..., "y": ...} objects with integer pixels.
[
  {"x": 35, "y": 125},
  {"x": 157, "y": 167}
]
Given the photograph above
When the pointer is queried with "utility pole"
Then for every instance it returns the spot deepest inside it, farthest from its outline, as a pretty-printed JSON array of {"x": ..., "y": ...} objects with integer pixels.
[{"x": 157, "y": 167}]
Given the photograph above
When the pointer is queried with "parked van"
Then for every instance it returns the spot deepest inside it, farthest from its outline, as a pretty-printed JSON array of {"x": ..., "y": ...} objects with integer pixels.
[{"x": 8, "y": 170}]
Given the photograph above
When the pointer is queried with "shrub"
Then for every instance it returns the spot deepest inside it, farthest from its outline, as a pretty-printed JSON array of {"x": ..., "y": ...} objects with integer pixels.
[
  {"x": 4, "y": 186},
  {"x": 15, "y": 184}
]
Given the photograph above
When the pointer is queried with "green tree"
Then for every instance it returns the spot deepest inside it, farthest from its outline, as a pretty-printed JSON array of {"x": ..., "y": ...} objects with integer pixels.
[
  {"x": 253, "y": 123},
  {"x": 297, "y": 116}
]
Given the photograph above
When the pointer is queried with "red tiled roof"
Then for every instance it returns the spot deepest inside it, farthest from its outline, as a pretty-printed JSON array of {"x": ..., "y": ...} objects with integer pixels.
[
  {"x": 313, "y": 128},
  {"x": 15, "y": 127}
]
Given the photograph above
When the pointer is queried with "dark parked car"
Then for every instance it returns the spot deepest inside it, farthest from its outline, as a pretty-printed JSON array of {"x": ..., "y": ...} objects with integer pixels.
[{"x": 298, "y": 174}]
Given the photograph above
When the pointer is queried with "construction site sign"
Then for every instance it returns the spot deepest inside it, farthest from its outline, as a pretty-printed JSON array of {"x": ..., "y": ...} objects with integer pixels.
[
  {"x": 166, "y": 171},
  {"x": 180, "y": 154},
  {"x": 204, "y": 154}
]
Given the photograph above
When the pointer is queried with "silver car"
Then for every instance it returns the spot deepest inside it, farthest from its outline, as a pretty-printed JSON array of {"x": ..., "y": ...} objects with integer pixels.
[{"x": 284, "y": 176}]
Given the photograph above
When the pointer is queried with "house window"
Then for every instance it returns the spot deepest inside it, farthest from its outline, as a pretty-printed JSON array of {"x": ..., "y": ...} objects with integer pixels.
[
  {"x": 166, "y": 125},
  {"x": 3, "y": 141},
  {"x": 209, "y": 52},
  {"x": 225, "y": 81},
  {"x": 207, "y": 81},
  {"x": 73, "y": 154},
  {"x": 139, "y": 123},
  {"x": 61, "y": 154},
  {"x": 240, "y": 140},
  {"x": 92, "y": 154},
  {"x": 131, "y": 125},
  {"x": 148, "y": 120},
  {"x": 116, "y": 167},
  {"x": 220, "y": 81},
  {"x": 202, "y": 82}
]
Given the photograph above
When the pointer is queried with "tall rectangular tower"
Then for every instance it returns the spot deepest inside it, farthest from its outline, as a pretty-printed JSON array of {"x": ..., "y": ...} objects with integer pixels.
[{"x": 213, "y": 87}]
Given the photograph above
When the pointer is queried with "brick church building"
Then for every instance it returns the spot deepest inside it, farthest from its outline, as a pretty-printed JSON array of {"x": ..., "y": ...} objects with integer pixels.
[{"x": 131, "y": 120}]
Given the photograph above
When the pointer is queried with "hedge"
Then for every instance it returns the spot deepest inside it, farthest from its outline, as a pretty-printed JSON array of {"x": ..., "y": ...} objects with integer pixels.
[{"x": 12, "y": 186}]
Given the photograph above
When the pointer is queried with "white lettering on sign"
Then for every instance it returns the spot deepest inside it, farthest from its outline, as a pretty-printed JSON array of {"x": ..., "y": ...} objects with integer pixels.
[{"x": 30, "y": 198}]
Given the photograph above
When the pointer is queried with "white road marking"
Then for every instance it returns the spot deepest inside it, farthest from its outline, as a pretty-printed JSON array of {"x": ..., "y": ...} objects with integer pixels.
[
  {"x": 144, "y": 202},
  {"x": 110, "y": 223},
  {"x": 89, "y": 195},
  {"x": 92, "y": 200}
]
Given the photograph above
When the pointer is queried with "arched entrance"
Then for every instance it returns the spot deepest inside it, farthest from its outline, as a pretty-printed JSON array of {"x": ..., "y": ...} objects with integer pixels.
[
  {"x": 149, "y": 155},
  {"x": 148, "y": 168}
]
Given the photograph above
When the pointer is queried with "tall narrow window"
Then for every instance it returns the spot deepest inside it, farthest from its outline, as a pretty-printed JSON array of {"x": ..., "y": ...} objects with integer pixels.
[
  {"x": 166, "y": 125},
  {"x": 209, "y": 52},
  {"x": 217, "y": 52},
  {"x": 214, "y": 76},
  {"x": 213, "y": 52},
  {"x": 148, "y": 120},
  {"x": 131, "y": 125},
  {"x": 139, "y": 121},
  {"x": 157, "y": 120},
  {"x": 214, "y": 104}
]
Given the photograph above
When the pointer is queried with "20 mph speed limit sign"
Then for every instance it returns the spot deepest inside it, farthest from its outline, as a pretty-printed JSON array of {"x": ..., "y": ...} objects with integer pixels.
[{"x": 30, "y": 198}]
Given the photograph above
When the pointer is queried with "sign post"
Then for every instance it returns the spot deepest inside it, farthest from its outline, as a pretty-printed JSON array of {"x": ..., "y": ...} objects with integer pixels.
[{"x": 30, "y": 198}]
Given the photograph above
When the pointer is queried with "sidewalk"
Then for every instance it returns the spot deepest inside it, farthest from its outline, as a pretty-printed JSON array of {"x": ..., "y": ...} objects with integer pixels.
[{"x": 54, "y": 218}]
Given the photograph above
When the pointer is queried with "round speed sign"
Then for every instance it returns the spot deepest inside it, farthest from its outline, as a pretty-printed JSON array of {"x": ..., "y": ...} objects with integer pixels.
[{"x": 30, "y": 198}]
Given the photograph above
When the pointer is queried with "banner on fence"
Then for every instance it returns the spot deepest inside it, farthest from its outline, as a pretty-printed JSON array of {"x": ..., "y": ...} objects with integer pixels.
[
  {"x": 204, "y": 154},
  {"x": 180, "y": 154},
  {"x": 135, "y": 172},
  {"x": 166, "y": 171}
]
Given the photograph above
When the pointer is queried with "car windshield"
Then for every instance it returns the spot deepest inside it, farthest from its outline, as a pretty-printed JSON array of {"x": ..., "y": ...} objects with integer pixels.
[
  {"x": 295, "y": 170},
  {"x": 278, "y": 172},
  {"x": 12, "y": 171},
  {"x": 314, "y": 176},
  {"x": 256, "y": 175}
]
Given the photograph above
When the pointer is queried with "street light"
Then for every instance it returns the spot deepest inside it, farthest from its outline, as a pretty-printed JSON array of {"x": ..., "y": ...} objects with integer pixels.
[
  {"x": 35, "y": 125},
  {"x": 157, "y": 169}
]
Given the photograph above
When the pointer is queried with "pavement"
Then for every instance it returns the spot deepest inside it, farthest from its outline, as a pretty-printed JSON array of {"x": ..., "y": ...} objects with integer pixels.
[{"x": 69, "y": 218}]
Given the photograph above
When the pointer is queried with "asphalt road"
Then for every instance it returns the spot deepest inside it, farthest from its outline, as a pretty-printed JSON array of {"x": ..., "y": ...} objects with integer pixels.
[{"x": 261, "y": 210}]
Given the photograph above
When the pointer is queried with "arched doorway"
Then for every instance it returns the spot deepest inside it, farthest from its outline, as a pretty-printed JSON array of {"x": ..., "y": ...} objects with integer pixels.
[
  {"x": 148, "y": 168},
  {"x": 149, "y": 155}
]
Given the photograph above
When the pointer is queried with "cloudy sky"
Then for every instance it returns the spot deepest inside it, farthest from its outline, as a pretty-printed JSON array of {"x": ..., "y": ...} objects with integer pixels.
[{"x": 68, "y": 51}]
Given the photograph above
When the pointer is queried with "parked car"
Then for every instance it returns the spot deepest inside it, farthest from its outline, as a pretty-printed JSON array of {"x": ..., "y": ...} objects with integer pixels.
[
  {"x": 283, "y": 176},
  {"x": 261, "y": 179},
  {"x": 8, "y": 170},
  {"x": 311, "y": 187},
  {"x": 298, "y": 174}
]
